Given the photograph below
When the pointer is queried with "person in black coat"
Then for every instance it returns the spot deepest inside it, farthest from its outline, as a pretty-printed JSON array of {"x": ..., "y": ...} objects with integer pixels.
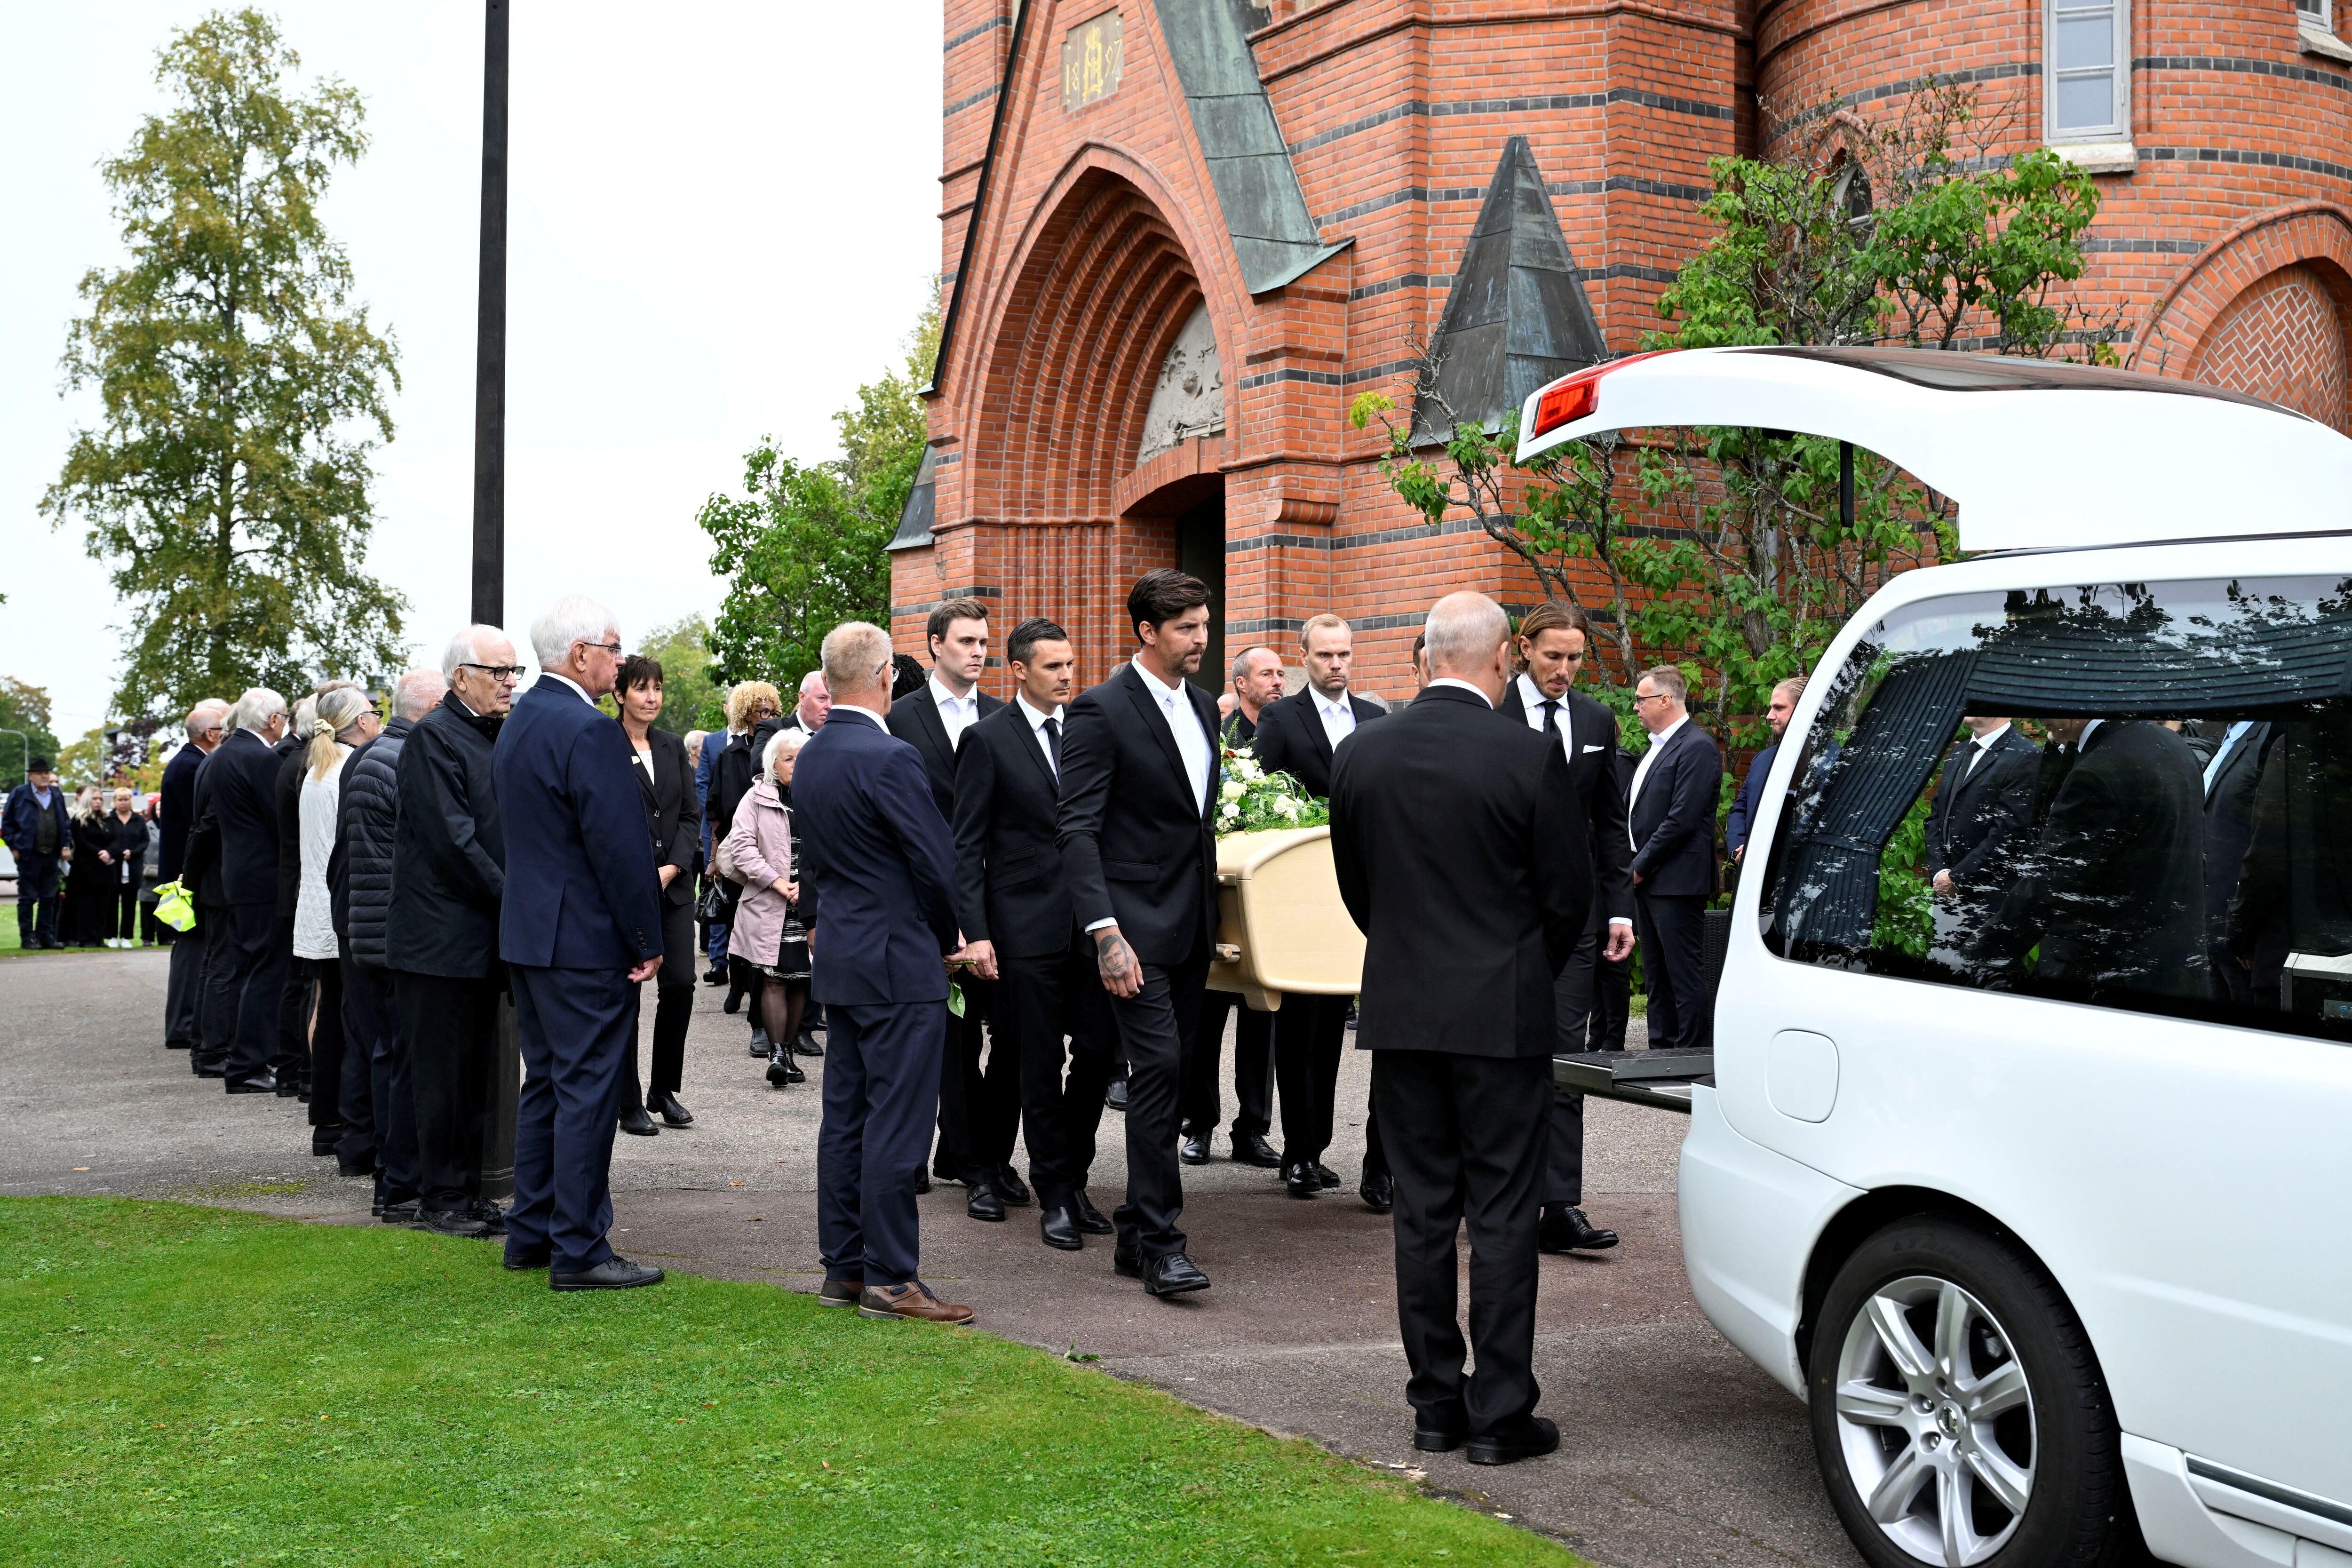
[
  {"x": 1472, "y": 889},
  {"x": 89, "y": 883},
  {"x": 201, "y": 871},
  {"x": 1013, "y": 900},
  {"x": 1257, "y": 682},
  {"x": 1981, "y": 818},
  {"x": 126, "y": 863},
  {"x": 441, "y": 928},
  {"x": 675, "y": 822},
  {"x": 39, "y": 828},
  {"x": 176, "y": 815},
  {"x": 1551, "y": 644},
  {"x": 980, "y": 1103},
  {"x": 1140, "y": 772},
  {"x": 1296, "y": 736},
  {"x": 237, "y": 829},
  {"x": 1672, "y": 818},
  {"x": 2230, "y": 774}
]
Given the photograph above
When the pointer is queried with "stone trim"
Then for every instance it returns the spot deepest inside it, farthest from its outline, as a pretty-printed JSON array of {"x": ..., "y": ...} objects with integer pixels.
[
  {"x": 960, "y": 104},
  {"x": 968, "y": 34}
]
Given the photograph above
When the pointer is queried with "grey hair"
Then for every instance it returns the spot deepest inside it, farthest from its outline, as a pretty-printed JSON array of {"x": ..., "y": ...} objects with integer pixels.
[
  {"x": 571, "y": 619},
  {"x": 857, "y": 655},
  {"x": 255, "y": 709},
  {"x": 466, "y": 648},
  {"x": 200, "y": 716},
  {"x": 305, "y": 710},
  {"x": 1462, "y": 631},
  {"x": 789, "y": 741},
  {"x": 337, "y": 711},
  {"x": 1241, "y": 659},
  {"x": 419, "y": 692}
]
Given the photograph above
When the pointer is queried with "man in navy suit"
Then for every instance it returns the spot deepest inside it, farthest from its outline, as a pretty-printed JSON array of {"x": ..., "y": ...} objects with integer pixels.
[
  {"x": 880, "y": 868},
  {"x": 580, "y": 928},
  {"x": 1742, "y": 820},
  {"x": 1671, "y": 815}
]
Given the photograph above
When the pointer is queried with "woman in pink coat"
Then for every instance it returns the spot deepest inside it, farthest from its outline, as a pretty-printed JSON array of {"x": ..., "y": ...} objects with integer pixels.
[{"x": 768, "y": 933}]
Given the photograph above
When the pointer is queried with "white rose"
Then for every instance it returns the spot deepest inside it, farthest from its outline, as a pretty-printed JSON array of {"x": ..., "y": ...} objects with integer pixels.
[{"x": 1229, "y": 790}]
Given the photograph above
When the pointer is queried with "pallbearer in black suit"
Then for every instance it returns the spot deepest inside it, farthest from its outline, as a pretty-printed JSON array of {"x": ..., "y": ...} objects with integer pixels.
[
  {"x": 1015, "y": 902},
  {"x": 1551, "y": 644},
  {"x": 2230, "y": 775},
  {"x": 1472, "y": 887},
  {"x": 1296, "y": 736},
  {"x": 1139, "y": 846},
  {"x": 236, "y": 827},
  {"x": 979, "y": 1111},
  {"x": 1982, "y": 817},
  {"x": 1671, "y": 815}
]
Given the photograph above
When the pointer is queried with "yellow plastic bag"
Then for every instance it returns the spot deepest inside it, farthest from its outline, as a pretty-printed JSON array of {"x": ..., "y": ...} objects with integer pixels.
[{"x": 175, "y": 907}]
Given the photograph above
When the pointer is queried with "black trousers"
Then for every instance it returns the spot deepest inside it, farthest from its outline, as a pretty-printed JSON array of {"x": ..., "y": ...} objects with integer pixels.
[
  {"x": 450, "y": 1026},
  {"x": 36, "y": 899},
  {"x": 217, "y": 996},
  {"x": 261, "y": 949},
  {"x": 1466, "y": 1144},
  {"x": 1253, "y": 1068},
  {"x": 183, "y": 989},
  {"x": 673, "y": 1012},
  {"x": 370, "y": 1012},
  {"x": 355, "y": 1105},
  {"x": 293, "y": 1054},
  {"x": 125, "y": 922},
  {"x": 1154, "y": 1025},
  {"x": 980, "y": 1102},
  {"x": 326, "y": 1044},
  {"x": 1576, "y": 996},
  {"x": 1310, "y": 1033},
  {"x": 1041, "y": 1001},
  {"x": 1672, "y": 932}
]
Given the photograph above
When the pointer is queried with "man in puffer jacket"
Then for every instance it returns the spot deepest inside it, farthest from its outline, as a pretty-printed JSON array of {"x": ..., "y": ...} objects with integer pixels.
[{"x": 379, "y": 1110}]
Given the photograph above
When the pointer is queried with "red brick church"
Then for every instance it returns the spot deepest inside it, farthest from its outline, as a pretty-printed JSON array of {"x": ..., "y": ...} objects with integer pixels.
[{"x": 1180, "y": 237}]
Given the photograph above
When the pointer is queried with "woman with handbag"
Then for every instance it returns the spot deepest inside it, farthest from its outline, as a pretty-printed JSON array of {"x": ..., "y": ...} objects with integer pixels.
[
  {"x": 764, "y": 854},
  {"x": 666, "y": 783}
]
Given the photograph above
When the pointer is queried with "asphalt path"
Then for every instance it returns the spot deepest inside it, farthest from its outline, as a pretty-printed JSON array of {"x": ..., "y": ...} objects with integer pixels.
[{"x": 1675, "y": 1449}]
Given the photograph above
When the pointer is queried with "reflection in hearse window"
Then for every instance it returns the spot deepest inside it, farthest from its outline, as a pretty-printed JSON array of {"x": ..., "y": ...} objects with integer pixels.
[{"x": 2137, "y": 796}]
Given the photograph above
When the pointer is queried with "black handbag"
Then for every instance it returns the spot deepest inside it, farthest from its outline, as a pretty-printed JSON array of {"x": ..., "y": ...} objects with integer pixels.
[{"x": 718, "y": 905}]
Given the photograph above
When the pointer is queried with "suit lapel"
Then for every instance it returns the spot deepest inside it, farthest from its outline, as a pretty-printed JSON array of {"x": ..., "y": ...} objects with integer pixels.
[
  {"x": 1026, "y": 739},
  {"x": 1156, "y": 721}
]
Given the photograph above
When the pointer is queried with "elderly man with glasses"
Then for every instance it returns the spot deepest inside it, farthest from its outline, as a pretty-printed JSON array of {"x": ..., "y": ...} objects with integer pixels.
[{"x": 441, "y": 928}]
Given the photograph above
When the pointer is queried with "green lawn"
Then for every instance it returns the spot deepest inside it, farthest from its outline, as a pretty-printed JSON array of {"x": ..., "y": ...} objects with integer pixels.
[{"x": 191, "y": 1386}]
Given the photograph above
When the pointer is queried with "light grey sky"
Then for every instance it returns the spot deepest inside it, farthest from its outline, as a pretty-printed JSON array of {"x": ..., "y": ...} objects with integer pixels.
[{"x": 722, "y": 218}]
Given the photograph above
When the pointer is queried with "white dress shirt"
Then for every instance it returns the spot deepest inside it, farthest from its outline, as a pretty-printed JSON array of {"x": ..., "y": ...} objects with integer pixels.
[
  {"x": 1339, "y": 716},
  {"x": 1192, "y": 742},
  {"x": 957, "y": 714},
  {"x": 867, "y": 715},
  {"x": 1457, "y": 681},
  {"x": 1657, "y": 744},
  {"x": 1037, "y": 718},
  {"x": 2221, "y": 752},
  {"x": 1532, "y": 698},
  {"x": 579, "y": 690}
]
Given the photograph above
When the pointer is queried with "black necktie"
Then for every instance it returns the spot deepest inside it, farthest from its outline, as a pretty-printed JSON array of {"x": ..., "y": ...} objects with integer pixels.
[
  {"x": 1552, "y": 717},
  {"x": 1053, "y": 743}
]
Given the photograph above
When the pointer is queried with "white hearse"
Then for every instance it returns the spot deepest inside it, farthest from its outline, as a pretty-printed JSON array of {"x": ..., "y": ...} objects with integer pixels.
[{"x": 2050, "y": 1225}]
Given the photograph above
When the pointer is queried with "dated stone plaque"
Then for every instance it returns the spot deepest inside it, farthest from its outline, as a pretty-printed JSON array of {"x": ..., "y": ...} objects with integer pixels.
[{"x": 1092, "y": 54}]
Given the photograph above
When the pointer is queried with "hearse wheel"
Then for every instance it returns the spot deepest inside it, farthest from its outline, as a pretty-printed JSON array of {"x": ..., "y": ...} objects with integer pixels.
[{"x": 1959, "y": 1412}]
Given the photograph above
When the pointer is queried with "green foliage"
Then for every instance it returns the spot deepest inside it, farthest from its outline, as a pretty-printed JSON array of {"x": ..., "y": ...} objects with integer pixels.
[
  {"x": 24, "y": 708},
  {"x": 227, "y": 484},
  {"x": 690, "y": 698},
  {"x": 1252, "y": 800},
  {"x": 1905, "y": 920}
]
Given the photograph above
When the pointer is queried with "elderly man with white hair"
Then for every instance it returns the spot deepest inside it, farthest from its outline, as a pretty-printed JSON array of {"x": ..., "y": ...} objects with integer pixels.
[
  {"x": 175, "y": 815},
  {"x": 441, "y": 927},
  {"x": 236, "y": 832},
  {"x": 580, "y": 930}
]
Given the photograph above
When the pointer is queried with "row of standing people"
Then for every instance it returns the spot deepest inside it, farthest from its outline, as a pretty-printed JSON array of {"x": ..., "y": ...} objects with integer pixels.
[{"x": 81, "y": 866}]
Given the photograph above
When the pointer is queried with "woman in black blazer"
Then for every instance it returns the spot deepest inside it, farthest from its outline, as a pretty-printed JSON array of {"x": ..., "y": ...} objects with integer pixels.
[{"x": 675, "y": 822}]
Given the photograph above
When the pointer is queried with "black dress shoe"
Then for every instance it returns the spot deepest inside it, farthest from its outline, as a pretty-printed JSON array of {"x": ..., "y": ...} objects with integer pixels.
[
  {"x": 1194, "y": 1150},
  {"x": 922, "y": 1185},
  {"x": 207, "y": 1070},
  {"x": 1436, "y": 1440},
  {"x": 1378, "y": 1191},
  {"x": 1059, "y": 1228},
  {"x": 1011, "y": 1188},
  {"x": 804, "y": 1044},
  {"x": 1174, "y": 1275},
  {"x": 179, "y": 1044},
  {"x": 401, "y": 1213},
  {"x": 493, "y": 1218},
  {"x": 980, "y": 1202},
  {"x": 522, "y": 1261},
  {"x": 715, "y": 975},
  {"x": 1115, "y": 1097},
  {"x": 1327, "y": 1176},
  {"x": 616, "y": 1273},
  {"x": 1564, "y": 1228},
  {"x": 792, "y": 1073},
  {"x": 1252, "y": 1149},
  {"x": 451, "y": 1222},
  {"x": 265, "y": 1084},
  {"x": 1091, "y": 1220},
  {"x": 1299, "y": 1180},
  {"x": 673, "y": 1113},
  {"x": 633, "y": 1120},
  {"x": 760, "y": 1045},
  {"x": 734, "y": 1002},
  {"x": 289, "y": 1088},
  {"x": 323, "y": 1140},
  {"x": 1536, "y": 1438},
  {"x": 350, "y": 1171}
]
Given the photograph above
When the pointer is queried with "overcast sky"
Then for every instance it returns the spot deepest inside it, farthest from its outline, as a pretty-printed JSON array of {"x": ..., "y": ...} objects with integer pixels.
[{"x": 721, "y": 219}]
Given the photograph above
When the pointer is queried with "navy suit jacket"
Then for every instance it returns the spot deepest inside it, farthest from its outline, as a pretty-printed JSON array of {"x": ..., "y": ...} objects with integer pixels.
[
  {"x": 244, "y": 806},
  {"x": 1673, "y": 817},
  {"x": 177, "y": 813},
  {"x": 883, "y": 863},
  {"x": 1742, "y": 820},
  {"x": 581, "y": 889}
]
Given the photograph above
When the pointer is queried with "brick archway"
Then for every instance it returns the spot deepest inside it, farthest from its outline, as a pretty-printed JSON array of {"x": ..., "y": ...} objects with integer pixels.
[
  {"x": 2312, "y": 240},
  {"x": 2282, "y": 339}
]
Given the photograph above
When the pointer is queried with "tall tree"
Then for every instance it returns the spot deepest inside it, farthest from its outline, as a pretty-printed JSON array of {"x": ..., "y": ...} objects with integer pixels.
[{"x": 227, "y": 484}]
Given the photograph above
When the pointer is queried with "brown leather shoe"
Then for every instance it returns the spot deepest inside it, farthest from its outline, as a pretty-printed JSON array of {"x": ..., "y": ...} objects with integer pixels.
[
  {"x": 912, "y": 1299},
  {"x": 840, "y": 1292}
]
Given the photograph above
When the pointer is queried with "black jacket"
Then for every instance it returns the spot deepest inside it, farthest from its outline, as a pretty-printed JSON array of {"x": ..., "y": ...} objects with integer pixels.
[
  {"x": 359, "y": 874},
  {"x": 448, "y": 854},
  {"x": 1470, "y": 887},
  {"x": 294, "y": 761},
  {"x": 1290, "y": 738},
  {"x": 670, "y": 812},
  {"x": 915, "y": 719},
  {"x": 1596, "y": 796},
  {"x": 1135, "y": 847},
  {"x": 1011, "y": 888},
  {"x": 200, "y": 857},
  {"x": 237, "y": 818},
  {"x": 1983, "y": 815},
  {"x": 2229, "y": 823},
  {"x": 1673, "y": 816},
  {"x": 731, "y": 777},
  {"x": 176, "y": 814}
]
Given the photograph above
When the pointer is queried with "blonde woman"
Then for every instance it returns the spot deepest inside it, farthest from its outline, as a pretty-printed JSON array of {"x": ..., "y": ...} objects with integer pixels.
[
  {"x": 90, "y": 884},
  {"x": 341, "y": 720},
  {"x": 125, "y": 861}
]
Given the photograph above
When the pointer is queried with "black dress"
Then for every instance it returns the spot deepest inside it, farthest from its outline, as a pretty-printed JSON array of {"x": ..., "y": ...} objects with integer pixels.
[
  {"x": 89, "y": 884},
  {"x": 792, "y": 942}
]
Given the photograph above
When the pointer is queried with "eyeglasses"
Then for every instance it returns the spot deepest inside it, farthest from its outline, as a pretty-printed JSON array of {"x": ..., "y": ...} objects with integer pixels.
[
  {"x": 1655, "y": 696},
  {"x": 504, "y": 674},
  {"x": 612, "y": 648}
]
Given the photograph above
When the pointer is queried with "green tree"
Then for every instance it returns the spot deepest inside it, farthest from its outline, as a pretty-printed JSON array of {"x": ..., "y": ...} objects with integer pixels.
[
  {"x": 227, "y": 484},
  {"x": 24, "y": 708}
]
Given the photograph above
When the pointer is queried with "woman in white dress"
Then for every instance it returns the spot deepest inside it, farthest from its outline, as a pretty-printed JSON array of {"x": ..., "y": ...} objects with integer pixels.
[{"x": 345, "y": 719}]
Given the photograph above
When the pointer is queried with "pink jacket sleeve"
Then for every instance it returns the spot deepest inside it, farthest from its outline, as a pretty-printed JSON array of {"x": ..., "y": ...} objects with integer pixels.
[{"x": 744, "y": 844}]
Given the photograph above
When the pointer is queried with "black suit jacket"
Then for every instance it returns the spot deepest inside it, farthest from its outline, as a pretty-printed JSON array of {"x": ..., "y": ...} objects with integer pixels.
[
  {"x": 237, "y": 795},
  {"x": 293, "y": 763},
  {"x": 2230, "y": 822},
  {"x": 200, "y": 861},
  {"x": 1290, "y": 738},
  {"x": 915, "y": 719},
  {"x": 449, "y": 847},
  {"x": 1981, "y": 817},
  {"x": 1135, "y": 847},
  {"x": 670, "y": 812},
  {"x": 1470, "y": 886},
  {"x": 1596, "y": 796},
  {"x": 1010, "y": 885},
  {"x": 1673, "y": 816},
  {"x": 177, "y": 813}
]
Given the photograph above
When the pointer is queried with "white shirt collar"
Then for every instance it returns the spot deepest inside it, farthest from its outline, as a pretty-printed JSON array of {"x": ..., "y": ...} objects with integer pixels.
[
  {"x": 557, "y": 675},
  {"x": 1662, "y": 736},
  {"x": 2083, "y": 739},
  {"x": 1160, "y": 688},
  {"x": 871, "y": 717},
  {"x": 941, "y": 694},
  {"x": 1992, "y": 737},
  {"x": 1037, "y": 717},
  {"x": 1455, "y": 681}
]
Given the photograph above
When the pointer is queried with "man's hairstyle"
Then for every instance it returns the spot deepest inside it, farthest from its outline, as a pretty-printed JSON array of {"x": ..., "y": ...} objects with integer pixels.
[
  {"x": 1029, "y": 634},
  {"x": 1462, "y": 631},
  {"x": 255, "y": 709},
  {"x": 813, "y": 678},
  {"x": 1551, "y": 615},
  {"x": 1794, "y": 686},
  {"x": 204, "y": 716},
  {"x": 466, "y": 648},
  {"x": 417, "y": 693},
  {"x": 857, "y": 655},
  {"x": 1241, "y": 659},
  {"x": 947, "y": 614},
  {"x": 743, "y": 700},
  {"x": 1669, "y": 681},
  {"x": 1323, "y": 622},
  {"x": 571, "y": 619},
  {"x": 638, "y": 669},
  {"x": 1420, "y": 644},
  {"x": 1159, "y": 597}
]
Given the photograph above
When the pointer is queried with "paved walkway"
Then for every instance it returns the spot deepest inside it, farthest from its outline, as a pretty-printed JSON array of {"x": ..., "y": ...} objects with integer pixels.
[{"x": 1675, "y": 1450}]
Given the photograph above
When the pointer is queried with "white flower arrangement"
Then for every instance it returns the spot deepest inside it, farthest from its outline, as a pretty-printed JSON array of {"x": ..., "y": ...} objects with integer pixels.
[{"x": 1252, "y": 800}]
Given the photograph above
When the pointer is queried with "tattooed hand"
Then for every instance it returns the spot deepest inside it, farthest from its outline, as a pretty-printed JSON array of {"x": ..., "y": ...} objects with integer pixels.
[{"x": 1116, "y": 961}]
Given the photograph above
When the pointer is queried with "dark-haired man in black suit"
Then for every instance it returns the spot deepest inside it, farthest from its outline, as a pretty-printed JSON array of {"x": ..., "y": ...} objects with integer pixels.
[
  {"x": 1671, "y": 815},
  {"x": 1981, "y": 817},
  {"x": 1297, "y": 736},
  {"x": 1015, "y": 902},
  {"x": 979, "y": 1109},
  {"x": 1472, "y": 887},
  {"x": 2230, "y": 775},
  {"x": 1139, "y": 768}
]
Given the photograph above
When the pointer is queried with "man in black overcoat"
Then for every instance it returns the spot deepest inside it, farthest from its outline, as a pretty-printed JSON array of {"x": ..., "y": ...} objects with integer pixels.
[
  {"x": 1472, "y": 890},
  {"x": 174, "y": 818}
]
